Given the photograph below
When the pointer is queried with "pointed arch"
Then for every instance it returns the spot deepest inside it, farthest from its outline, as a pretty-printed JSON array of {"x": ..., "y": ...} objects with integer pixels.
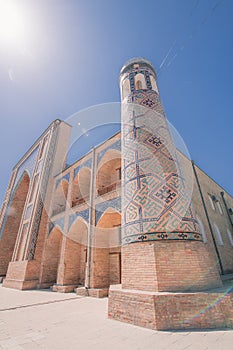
[
  {"x": 125, "y": 88},
  {"x": 75, "y": 256},
  {"x": 51, "y": 257},
  {"x": 218, "y": 234},
  {"x": 81, "y": 186},
  {"x": 140, "y": 82},
  {"x": 153, "y": 83},
  {"x": 107, "y": 252},
  {"x": 12, "y": 221},
  {"x": 109, "y": 172},
  {"x": 60, "y": 197},
  {"x": 202, "y": 229},
  {"x": 78, "y": 231}
]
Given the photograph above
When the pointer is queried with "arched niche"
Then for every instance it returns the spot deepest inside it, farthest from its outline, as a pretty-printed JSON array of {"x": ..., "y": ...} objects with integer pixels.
[
  {"x": 81, "y": 186},
  {"x": 202, "y": 229},
  {"x": 75, "y": 257},
  {"x": 107, "y": 252},
  {"x": 140, "y": 82},
  {"x": 12, "y": 222},
  {"x": 60, "y": 197},
  {"x": 153, "y": 83},
  {"x": 125, "y": 88},
  {"x": 51, "y": 257},
  {"x": 109, "y": 172}
]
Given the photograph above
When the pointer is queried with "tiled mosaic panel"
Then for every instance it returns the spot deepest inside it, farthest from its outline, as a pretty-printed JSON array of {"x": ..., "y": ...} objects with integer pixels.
[
  {"x": 100, "y": 208},
  {"x": 66, "y": 178},
  {"x": 156, "y": 203},
  {"x": 28, "y": 165},
  {"x": 82, "y": 214},
  {"x": 87, "y": 164},
  {"x": 116, "y": 145},
  {"x": 58, "y": 223}
]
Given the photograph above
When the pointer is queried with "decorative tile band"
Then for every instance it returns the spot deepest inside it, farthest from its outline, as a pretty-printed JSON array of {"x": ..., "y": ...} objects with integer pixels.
[{"x": 162, "y": 236}]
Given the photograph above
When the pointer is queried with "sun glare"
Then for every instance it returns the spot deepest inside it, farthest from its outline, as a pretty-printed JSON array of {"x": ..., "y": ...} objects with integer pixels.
[{"x": 12, "y": 22}]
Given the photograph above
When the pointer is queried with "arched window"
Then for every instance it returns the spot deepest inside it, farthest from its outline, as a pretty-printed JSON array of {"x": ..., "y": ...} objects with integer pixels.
[
  {"x": 153, "y": 83},
  {"x": 219, "y": 208},
  {"x": 138, "y": 85},
  {"x": 202, "y": 230},
  {"x": 218, "y": 235},
  {"x": 125, "y": 88},
  {"x": 140, "y": 82},
  {"x": 230, "y": 236},
  {"x": 211, "y": 202}
]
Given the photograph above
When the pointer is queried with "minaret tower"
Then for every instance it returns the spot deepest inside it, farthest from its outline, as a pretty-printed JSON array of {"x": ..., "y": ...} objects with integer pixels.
[{"x": 162, "y": 248}]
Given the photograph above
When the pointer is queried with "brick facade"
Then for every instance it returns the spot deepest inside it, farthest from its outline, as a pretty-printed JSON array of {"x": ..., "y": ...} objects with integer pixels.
[{"x": 74, "y": 241}]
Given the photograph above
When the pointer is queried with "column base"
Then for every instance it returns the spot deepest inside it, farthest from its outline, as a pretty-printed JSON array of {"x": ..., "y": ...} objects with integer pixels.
[
  {"x": 171, "y": 311},
  {"x": 64, "y": 288},
  {"x": 92, "y": 292},
  {"x": 22, "y": 275}
]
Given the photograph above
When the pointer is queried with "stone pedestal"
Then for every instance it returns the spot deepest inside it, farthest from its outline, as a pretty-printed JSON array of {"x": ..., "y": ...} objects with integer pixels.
[
  {"x": 169, "y": 266},
  {"x": 170, "y": 311},
  {"x": 93, "y": 292},
  {"x": 22, "y": 275},
  {"x": 64, "y": 288}
]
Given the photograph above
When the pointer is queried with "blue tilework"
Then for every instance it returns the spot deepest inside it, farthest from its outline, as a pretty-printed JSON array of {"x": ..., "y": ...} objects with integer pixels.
[
  {"x": 83, "y": 214},
  {"x": 102, "y": 207}
]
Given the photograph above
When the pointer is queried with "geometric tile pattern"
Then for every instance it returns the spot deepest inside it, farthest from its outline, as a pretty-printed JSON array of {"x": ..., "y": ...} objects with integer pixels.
[{"x": 155, "y": 203}]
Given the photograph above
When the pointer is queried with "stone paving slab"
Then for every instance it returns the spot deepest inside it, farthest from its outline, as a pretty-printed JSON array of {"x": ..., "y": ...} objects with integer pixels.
[{"x": 47, "y": 320}]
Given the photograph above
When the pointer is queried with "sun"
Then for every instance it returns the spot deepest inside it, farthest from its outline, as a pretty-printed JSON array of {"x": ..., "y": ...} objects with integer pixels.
[{"x": 12, "y": 22}]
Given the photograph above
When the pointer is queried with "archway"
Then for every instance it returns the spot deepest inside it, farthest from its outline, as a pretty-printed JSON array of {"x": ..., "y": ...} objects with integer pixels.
[
  {"x": 12, "y": 222},
  {"x": 60, "y": 197},
  {"x": 51, "y": 258},
  {"x": 107, "y": 249},
  {"x": 74, "y": 257},
  {"x": 81, "y": 187},
  {"x": 109, "y": 172}
]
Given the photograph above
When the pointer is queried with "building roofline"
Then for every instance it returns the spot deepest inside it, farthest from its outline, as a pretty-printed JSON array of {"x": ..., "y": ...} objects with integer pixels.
[
  {"x": 196, "y": 165},
  {"x": 30, "y": 150},
  {"x": 96, "y": 146}
]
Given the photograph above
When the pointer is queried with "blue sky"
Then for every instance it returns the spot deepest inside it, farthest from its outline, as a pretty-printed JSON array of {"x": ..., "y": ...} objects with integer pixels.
[{"x": 70, "y": 54}]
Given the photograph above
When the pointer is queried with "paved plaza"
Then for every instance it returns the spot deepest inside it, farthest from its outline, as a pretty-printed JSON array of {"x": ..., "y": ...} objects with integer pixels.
[{"x": 47, "y": 320}]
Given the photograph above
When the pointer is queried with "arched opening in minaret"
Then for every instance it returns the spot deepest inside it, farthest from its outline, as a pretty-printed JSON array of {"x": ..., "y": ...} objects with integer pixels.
[
  {"x": 109, "y": 173},
  {"x": 81, "y": 187},
  {"x": 153, "y": 83},
  {"x": 125, "y": 88},
  {"x": 12, "y": 222},
  {"x": 51, "y": 258},
  {"x": 107, "y": 249},
  {"x": 140, "y": 82},
  {"x": 60, "y": 197}
]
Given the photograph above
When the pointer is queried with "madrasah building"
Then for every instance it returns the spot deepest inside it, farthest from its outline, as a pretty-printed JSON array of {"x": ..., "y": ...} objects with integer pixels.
[{"x": 124, "y": 221}]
